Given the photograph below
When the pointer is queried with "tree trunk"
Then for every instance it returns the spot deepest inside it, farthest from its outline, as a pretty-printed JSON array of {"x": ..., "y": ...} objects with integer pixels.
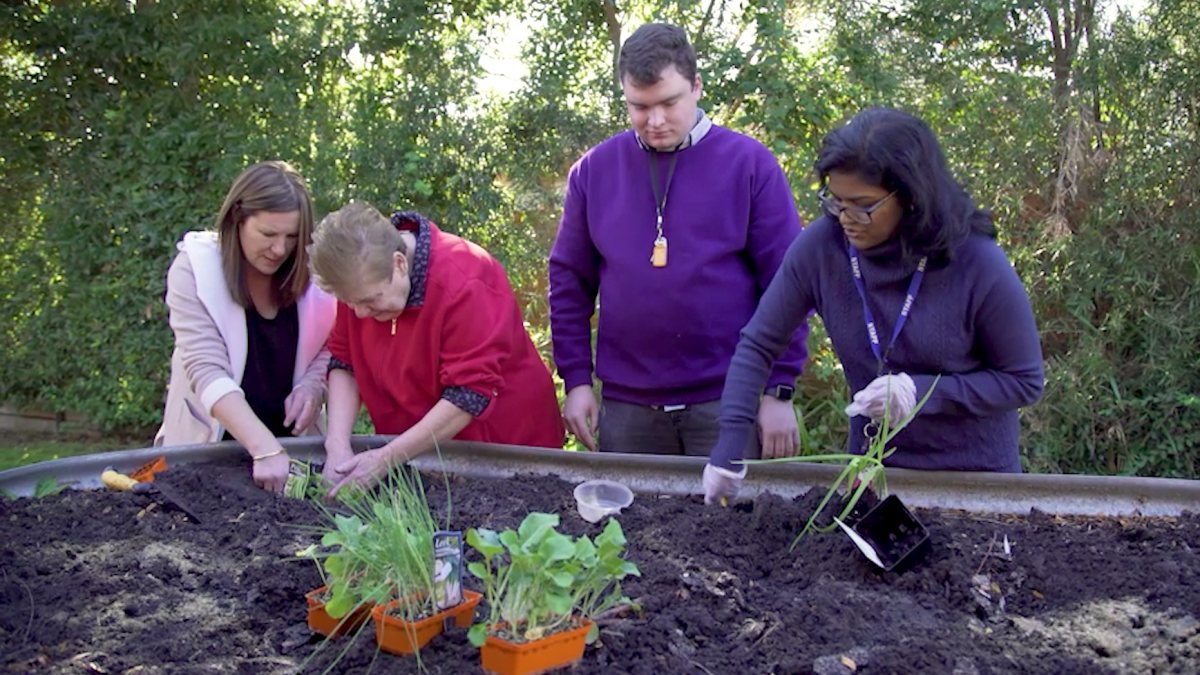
[{"x": 614, "y": 38}]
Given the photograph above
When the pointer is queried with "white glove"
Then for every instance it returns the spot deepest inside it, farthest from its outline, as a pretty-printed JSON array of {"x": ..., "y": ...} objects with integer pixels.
[
  {"x": 721, "y": 483},
  {"x": 895, "y": 394}
]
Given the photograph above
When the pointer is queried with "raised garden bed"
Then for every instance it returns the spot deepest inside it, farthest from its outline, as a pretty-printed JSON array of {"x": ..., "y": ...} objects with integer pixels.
[{"x": 99, "y": 581}]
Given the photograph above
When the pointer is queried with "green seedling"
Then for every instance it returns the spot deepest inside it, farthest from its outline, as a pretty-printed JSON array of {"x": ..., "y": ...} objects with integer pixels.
[
  {"x": 382, "y": 550},
  {"x": 306, "y": 481},
  {"x": 48, "y": 486},
  {"x": 536, "y": 578},
  {"x": 860, "y": 473},
  {"x": 303, "y": 481},
  {"x": 377, "y": 546},
  {"x": 45, "y": 487}
]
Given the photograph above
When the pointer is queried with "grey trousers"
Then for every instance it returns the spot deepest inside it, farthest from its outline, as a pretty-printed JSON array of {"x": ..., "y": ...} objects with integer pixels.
[{"x": 639, "y": 429}]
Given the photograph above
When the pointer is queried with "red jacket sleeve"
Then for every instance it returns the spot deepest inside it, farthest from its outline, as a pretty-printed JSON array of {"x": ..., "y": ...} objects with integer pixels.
[
  {"x": 339, "y": 338},
  {"x": 477, "y": 339}
]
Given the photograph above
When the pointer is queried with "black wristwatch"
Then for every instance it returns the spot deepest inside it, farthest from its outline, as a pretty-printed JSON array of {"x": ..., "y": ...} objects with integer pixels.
[{"x": 782, "y": 392}]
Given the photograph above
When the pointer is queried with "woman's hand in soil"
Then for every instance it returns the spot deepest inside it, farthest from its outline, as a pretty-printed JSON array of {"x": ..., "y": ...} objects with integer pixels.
[
  {"x": 777, "y": 428},
  {"x": 721, "y": 483},
  {"x": 362, "y": 470},
  {"x": 271, "y": 473}
]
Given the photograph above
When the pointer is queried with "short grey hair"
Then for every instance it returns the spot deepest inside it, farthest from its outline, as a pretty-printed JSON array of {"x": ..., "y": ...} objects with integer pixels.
[{"x": 351, "y": 247}]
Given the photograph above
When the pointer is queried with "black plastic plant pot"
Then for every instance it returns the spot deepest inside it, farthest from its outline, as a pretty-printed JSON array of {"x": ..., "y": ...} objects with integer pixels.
[{"x": 892, "y": 530}]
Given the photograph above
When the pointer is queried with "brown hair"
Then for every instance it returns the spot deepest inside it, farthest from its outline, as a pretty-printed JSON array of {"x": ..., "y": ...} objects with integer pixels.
[
  {"x": 275, "y": 187},
  {"x": 353, "y": 246},
  {"x": 653, "y": 47}
]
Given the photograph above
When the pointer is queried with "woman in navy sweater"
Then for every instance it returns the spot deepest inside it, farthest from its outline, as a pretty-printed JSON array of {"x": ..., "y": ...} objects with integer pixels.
[{"x": 905, "y": 272}]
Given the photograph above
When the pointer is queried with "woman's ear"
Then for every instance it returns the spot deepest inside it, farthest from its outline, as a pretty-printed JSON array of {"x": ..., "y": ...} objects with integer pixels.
[{"x": 400, "y": 263}]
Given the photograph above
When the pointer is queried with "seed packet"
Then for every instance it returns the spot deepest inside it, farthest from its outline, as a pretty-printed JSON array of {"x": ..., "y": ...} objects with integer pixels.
[
  {"x": 304, "y": 478},
  {"x": 447, "y": 568}
]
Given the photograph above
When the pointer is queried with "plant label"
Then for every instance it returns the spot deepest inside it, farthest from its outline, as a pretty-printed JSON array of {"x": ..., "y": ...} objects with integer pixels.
[
  {"x": 447, "y": 569},
  {"x": 861, "y": 543}
]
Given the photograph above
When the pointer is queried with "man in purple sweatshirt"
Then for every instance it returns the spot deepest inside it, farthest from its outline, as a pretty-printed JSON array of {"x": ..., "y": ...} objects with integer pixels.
[{"x": 678, "y": 225}]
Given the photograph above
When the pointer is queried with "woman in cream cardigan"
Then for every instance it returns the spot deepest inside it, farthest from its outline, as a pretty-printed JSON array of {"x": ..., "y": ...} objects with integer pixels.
[{"x": 250, "y": 328}]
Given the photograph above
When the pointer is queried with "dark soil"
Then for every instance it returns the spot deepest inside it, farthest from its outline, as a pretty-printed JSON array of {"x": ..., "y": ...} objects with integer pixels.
[{"x": 103, "y": 582}]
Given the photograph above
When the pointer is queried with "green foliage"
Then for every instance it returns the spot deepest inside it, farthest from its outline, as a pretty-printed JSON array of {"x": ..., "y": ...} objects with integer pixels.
[
  {"x": 45, "y": 487},
  {"x": 548, "y": 576},
  {"x": 17, "y": 449},
  {"x": 1120, "y": 337},
  {"x": 133, "y": 121},
  {"x": 48, "y": 486},
  {"x": 821, "y": 396}
]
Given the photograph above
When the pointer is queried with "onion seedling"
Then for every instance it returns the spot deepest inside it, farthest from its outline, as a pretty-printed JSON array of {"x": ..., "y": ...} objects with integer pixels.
[{"x": 860, "y": 473}]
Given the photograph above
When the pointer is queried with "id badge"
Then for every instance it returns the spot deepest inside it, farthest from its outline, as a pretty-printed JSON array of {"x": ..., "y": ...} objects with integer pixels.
[{"x": 658, "y": 257}]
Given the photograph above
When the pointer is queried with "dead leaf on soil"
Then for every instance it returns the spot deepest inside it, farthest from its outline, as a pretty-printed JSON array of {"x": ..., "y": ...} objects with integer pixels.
[
  {"x": 849, "y": 663},
  {"x": 1038, "y": 595},
  {"x": 751, "y": 629}
]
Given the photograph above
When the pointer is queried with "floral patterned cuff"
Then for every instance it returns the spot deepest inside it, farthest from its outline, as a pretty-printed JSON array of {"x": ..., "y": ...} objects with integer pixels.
[
  {"x": 337, "y": 364},
  {"x": 470, "y": 401}
]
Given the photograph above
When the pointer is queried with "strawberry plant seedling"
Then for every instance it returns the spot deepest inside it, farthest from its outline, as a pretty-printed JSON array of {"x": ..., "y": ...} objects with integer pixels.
[{"x": 536, "y": 578}]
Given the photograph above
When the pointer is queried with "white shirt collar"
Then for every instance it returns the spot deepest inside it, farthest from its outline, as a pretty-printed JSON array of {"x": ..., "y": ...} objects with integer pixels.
[{"x": 699, "y": 131}]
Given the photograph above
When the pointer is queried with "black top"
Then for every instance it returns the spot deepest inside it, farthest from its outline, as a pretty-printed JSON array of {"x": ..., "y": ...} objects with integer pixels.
[{"x": 270, "y": 362}]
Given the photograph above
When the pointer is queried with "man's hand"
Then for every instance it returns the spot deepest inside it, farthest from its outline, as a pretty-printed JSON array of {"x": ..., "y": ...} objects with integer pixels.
[
  {"x": 300, "y": 409},
  {"x": 893, "y": 395},
  {"x": 777, "y": 428},
  {"x": 721, "y": 483},
  {"x": 581, "y": 414},
  {"x": 271, "y": 473},
  {"x": 362, "y": 470}
]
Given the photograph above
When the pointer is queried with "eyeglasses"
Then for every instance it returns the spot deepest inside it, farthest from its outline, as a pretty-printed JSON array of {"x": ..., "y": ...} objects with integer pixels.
[{"x": 860, "y": 215}]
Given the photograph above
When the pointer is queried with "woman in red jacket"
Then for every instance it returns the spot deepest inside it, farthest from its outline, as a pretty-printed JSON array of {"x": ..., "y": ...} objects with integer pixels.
[{"x": 428, "y": 336}]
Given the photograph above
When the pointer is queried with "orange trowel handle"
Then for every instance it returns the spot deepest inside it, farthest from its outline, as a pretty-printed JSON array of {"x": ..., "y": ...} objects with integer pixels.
[{"x": 145, "y": 473}]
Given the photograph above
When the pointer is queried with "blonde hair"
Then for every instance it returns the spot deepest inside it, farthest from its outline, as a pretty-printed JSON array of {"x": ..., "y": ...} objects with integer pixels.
[
  {"x": 353, "y": 246},
  {"x": 273, "y": 187}
]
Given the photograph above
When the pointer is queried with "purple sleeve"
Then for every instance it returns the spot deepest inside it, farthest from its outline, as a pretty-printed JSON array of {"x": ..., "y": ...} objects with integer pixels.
[
  {"x": 774, "y": 225},
  {"x": 1007, "y": 339},
  {"x": 574, "y": 282},
  {"x": 782, "y": 313}
]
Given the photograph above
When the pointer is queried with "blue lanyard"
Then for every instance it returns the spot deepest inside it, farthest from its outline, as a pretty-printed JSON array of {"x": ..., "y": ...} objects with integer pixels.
[{"x": 913, "y": 287}]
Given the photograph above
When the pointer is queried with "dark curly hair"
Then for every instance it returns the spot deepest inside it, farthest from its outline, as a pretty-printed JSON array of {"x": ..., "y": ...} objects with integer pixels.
[{"x": 898, "y": 151}]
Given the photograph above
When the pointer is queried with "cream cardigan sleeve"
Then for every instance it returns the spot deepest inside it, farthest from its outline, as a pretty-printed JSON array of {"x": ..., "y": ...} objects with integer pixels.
[{"x": 197, "y": 338}]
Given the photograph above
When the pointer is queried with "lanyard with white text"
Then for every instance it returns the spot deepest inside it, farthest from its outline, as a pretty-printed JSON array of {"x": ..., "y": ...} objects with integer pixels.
[
  {"x": 913, "y": 287},
  {"x": 658, "y": 257}
]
